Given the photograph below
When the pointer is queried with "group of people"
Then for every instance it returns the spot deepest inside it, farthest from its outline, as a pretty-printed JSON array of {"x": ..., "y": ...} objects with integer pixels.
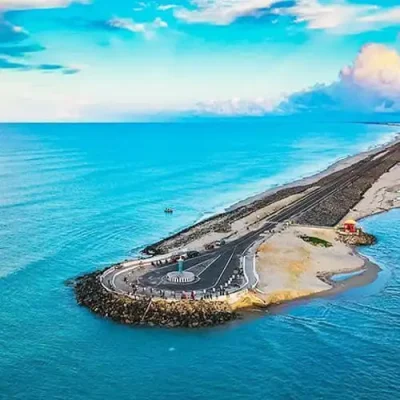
[
  {"x": 159, "y": 293},
  {"x": 160, "y": 262}
]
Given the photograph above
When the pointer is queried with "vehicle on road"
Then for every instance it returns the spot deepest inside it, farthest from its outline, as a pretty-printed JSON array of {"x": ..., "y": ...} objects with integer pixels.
[{"x": 192, "y": 254}]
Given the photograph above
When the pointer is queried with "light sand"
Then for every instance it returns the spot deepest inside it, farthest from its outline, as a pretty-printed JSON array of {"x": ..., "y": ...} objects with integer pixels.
[
  {"x": 288, "y": 266},
  {"x": 383, "y": 195}
]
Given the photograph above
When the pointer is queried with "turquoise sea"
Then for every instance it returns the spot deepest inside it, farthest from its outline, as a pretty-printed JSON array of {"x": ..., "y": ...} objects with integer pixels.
[{"x": 74, "y": 198}]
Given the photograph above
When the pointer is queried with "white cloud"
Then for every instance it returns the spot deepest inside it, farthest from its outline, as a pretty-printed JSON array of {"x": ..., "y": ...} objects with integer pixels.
[
  {"x": 332, "y": 15},
  {"x": 34, "y": 4},
  {"x": 391, "y": 16},
  {"x": 327, "y": 16},
  {"x": 221, "y": 12},
  {"x": 140, "y": 6},
  {"x": 342, "y": 17},
  {"x": 376, "y": 68},
  {"x": 148, "y": 29},
  {"x": 370, "y": 84},
  {"x": 166, "y": 7},
  {"x": 127, "y": 24},
  {"x": 159, "y": 23}
]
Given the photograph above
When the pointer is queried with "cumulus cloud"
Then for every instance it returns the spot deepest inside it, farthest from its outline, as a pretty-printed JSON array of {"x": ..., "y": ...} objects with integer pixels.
[
  {"x": 331, "y": 15},
  {"x": 126, "y": 24},
  {"x": 148, "y": 29},
  {"x": 328, "y": 16},
  {"x": 37, "y": 4},
  {"x": 370, "y": 84},
  {"x": 221, "y": 12},
  {"x": 343, "y": 17}
]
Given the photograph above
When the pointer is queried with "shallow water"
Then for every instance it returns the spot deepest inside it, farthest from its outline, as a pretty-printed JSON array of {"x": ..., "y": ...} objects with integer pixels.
[
  {"x": 346, "y": 275},
  {"x": 77, "y": 197}
]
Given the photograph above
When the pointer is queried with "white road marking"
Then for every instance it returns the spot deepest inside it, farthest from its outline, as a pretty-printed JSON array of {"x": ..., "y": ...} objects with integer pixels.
[
  {"x": 226, "y": 265},
  {"x": 208, "y": 266}
]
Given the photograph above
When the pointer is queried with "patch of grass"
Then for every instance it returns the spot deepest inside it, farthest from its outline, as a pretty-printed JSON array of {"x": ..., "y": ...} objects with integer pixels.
[{"x": 316, "y": 241}]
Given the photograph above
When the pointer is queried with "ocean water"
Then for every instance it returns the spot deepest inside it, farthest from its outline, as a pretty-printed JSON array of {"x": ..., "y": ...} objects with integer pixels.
[{"x": 78, "y": 197}]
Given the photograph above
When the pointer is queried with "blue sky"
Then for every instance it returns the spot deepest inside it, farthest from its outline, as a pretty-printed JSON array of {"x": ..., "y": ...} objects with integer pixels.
[{"x": 127, "y": 60}]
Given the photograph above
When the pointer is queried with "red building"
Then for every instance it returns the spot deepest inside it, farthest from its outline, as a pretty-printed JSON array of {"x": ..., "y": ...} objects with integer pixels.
[{"x": 350, "y": 226}]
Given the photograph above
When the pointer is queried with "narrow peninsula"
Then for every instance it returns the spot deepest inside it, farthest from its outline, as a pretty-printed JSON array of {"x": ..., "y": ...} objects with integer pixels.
[{"x": 285, "y": 244}]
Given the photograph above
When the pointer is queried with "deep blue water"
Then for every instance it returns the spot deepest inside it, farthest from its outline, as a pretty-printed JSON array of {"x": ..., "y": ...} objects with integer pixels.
[{"x": 77, "y": 197}]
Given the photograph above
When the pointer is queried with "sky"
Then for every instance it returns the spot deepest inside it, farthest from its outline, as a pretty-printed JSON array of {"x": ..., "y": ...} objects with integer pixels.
[{"x": 126, "y": 60}]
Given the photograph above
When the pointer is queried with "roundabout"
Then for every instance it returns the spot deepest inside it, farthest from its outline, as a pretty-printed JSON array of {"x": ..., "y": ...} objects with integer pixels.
[{"x": 180, "y": 277}]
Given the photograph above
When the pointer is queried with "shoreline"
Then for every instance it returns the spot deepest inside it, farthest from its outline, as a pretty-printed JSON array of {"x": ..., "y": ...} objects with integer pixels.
[
  {"x": 356, "y": 176},
  {"x": 369, "y": 275}
]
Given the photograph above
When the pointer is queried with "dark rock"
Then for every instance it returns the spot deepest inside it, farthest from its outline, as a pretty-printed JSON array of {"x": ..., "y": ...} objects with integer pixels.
[
  {"x": 184, "y": 313},
  {"x": 361, "y": 239}
]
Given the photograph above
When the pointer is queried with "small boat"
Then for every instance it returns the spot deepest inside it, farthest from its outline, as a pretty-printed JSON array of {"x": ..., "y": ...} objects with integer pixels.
[{"x": 168, "y": 210}]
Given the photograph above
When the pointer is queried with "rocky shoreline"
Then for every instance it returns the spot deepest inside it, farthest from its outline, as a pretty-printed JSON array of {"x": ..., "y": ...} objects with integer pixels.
[
  {"x": 90, "y": 293},
  {"x": 332, "y": 209},
  {"x": 362, "y": 239}
]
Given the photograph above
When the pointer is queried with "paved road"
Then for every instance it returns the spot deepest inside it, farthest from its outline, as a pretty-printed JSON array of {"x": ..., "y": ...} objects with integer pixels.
[{"x": 219, "y": 265}]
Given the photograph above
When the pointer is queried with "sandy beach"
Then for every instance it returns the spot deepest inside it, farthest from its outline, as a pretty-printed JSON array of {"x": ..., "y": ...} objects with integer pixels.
[
  {"x": 289, "y": 268},
  {"x": 382, "y": 196}
]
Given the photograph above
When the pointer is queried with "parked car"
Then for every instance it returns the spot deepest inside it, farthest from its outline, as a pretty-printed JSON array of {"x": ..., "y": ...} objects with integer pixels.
[{"x": 192, "y": 254}]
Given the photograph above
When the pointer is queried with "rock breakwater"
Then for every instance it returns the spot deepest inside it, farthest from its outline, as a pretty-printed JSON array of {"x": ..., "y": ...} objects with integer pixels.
[
  {"x": 334, "y": 207},
  {"x": 362, "y": 239},
  {"x": 153, "y": 312}
]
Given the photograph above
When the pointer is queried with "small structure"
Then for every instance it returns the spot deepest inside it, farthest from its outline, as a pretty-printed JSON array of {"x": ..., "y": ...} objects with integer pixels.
[
  {"x": 181, "y": 276},
  {"x": 349, "y": 226},
  {"x": 180, "y": 265}
]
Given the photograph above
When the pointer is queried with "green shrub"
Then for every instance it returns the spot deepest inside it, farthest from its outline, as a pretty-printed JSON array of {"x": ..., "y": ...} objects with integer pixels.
[{"x": 316, "y": 241}]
